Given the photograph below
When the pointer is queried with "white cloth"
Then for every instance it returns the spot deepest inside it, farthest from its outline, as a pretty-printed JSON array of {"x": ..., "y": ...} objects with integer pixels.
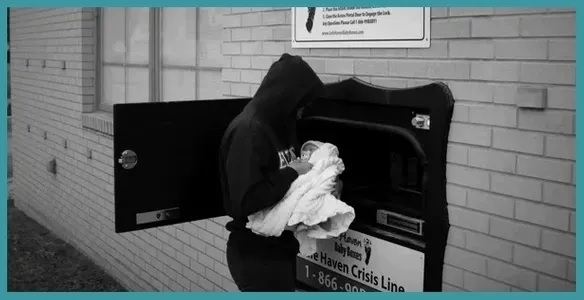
[{"x": 308, "y": 207}]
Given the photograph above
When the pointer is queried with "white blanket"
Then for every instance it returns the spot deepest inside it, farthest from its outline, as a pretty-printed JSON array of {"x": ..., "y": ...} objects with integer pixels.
[{"x": 309, "y": 208}]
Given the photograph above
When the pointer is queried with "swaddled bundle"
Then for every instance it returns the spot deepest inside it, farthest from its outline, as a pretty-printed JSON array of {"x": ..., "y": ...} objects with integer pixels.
[{"x": 309, "y": 208}]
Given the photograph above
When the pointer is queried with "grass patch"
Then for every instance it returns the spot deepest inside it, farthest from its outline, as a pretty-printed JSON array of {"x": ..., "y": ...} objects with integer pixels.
[{"x": 40, "y": 261}]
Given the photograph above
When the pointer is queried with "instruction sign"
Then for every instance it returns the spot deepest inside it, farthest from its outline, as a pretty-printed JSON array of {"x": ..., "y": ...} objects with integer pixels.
[
  {"x": 356, "y": 262},
  {"x": 360, "y": 27}
]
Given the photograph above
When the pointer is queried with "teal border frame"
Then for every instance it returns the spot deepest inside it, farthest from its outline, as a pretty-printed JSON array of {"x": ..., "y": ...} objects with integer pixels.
[{"x": 263, "y": 3}]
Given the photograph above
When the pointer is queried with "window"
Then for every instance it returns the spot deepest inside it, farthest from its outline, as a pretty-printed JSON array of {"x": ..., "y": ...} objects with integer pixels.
[{"x": 159, "y": 54}]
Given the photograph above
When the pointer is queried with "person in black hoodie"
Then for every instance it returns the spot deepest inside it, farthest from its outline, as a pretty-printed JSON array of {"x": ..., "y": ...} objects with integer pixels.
[{"x": 258, "y": 163}]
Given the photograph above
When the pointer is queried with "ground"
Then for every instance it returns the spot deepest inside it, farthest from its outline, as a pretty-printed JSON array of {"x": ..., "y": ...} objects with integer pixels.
[{"x": 39, "y": 261}]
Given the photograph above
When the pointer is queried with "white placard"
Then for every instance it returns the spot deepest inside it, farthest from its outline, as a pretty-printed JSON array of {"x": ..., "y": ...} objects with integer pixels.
[
  {"x": 360, "y": 27},
  {"x": 370, "y": 261}
]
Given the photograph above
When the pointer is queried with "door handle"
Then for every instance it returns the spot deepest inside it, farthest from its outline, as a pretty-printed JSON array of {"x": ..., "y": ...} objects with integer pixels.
[{"x": 128, "y": 159}]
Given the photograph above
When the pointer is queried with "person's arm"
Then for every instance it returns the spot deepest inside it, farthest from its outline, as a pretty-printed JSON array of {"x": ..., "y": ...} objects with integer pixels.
[{"x": 251, "y": 189}]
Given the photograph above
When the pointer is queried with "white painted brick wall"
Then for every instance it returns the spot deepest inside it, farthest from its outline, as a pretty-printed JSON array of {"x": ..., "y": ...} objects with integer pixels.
[
  {"x": 510, "y": 170},
  {"x": 77, "y": 203}
]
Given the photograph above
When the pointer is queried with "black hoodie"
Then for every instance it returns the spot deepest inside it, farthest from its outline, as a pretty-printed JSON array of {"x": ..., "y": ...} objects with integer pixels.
[{"x": 261, "y": 141}]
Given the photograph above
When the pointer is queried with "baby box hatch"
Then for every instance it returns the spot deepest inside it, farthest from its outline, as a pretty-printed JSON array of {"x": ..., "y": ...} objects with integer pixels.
[{"x": 393, "y": 143}]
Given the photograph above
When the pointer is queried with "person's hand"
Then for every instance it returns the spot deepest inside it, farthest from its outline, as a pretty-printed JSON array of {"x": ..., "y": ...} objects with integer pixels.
[
  {"x": 338, "y": 188},
  {"x": 301, "y": 167}
]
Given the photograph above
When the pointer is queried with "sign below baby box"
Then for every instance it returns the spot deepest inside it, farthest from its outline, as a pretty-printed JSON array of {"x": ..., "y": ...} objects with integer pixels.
[{"x": 357, "y": 262}]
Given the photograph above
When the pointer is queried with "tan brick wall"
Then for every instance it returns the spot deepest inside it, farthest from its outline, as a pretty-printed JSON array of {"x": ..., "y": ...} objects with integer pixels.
[{"x": 510, "y": 170}]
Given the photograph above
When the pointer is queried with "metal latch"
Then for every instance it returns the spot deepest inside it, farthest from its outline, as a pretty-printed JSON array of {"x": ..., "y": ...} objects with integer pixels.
[
  {"x": 128, "y": 160},
  {"x": 400, "y": 222},
  {"x": 168, "y": 214},
  {"x": 421, "y": 122}
]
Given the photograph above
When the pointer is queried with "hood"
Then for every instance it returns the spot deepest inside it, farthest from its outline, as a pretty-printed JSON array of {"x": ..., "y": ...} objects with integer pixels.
[{"x": 289, "y": 84}]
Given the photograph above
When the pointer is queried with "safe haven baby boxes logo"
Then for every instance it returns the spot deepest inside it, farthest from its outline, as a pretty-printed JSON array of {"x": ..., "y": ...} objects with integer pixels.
[{"x": 354, "y": 248}]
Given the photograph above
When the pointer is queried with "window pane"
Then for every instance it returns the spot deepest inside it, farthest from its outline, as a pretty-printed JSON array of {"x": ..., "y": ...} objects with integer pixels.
[
  {"x": 138, "y": 35},
  {"x": 178, "y": 85},
  {"x": 113, "y": 39},
  {"x": 210, "y": 36},
  {"x": 179, "y": 36},
  {"x": 138, "y": 85},
  {"x": 114, "y": 85},
  {"x": 210, "y": 85}
]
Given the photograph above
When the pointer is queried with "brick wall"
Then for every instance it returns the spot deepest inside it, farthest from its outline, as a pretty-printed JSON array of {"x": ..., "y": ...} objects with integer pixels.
[
  {"x": 511, "y": 170},
  {"x": 77, "y": 203}
]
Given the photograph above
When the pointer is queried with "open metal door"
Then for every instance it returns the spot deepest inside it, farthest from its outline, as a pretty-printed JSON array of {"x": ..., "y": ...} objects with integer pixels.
[{"x": 166, "y": 161}]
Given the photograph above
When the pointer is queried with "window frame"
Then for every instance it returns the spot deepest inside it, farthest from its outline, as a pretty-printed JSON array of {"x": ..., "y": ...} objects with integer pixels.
[{"x": 155, "y": 64}]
